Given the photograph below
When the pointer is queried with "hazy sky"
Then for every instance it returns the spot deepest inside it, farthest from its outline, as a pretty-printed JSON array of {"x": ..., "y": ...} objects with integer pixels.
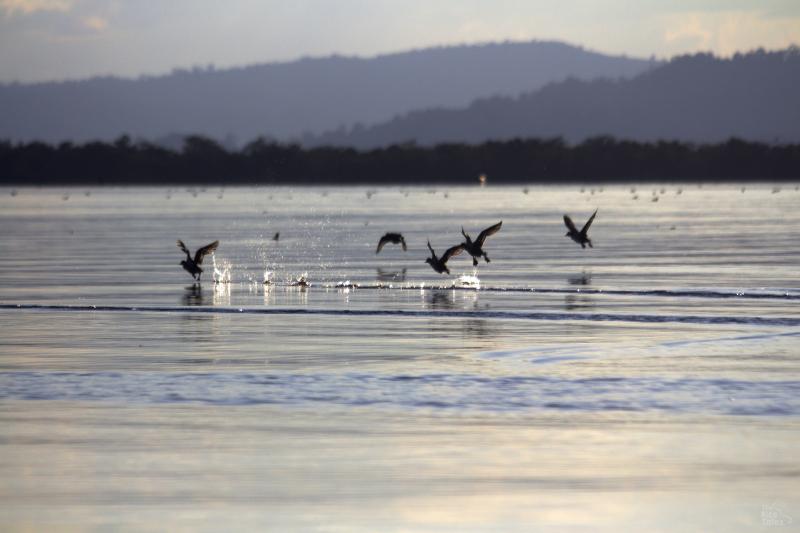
[{"x": 56, "y": 39}]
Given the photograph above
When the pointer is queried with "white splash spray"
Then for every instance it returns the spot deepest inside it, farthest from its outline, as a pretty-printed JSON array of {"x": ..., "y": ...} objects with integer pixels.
[{"x": 222, "y": 275}]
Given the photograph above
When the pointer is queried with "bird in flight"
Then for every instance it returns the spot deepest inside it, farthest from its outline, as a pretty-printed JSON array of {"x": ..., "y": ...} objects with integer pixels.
[
  {"x": 394, "y": 238},
  {"x": 475, "y": 248},
  {"x": 582, "y": 236},
  {"x": 192, "y": 266},
  {"x": 440, "y": 265}
]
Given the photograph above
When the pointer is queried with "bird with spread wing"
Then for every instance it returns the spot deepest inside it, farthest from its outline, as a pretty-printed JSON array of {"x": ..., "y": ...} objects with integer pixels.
[
  {"x": 475, "y": 248},
  {"x": 582, "y": 236},
  {"x": 440, "y": 264},
  {"x": 192, "y": 265},
  {"x": 394, "y": 238}
]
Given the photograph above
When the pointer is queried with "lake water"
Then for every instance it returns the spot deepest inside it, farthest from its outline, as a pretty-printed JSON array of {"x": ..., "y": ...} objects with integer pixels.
[{"x": 649, "y": 383}]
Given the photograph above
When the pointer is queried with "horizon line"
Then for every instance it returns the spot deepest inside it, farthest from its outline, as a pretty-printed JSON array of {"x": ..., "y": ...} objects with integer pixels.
[{"x": 210, "y": 67}]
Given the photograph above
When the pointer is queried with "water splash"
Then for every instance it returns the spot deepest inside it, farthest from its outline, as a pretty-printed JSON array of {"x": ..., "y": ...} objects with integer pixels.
[
  {"x": 469, "y": 281},
  {"x": 268, "y": 277},
  {"x": 301, "y": 281},
  {"x": 222, "y": 275}
]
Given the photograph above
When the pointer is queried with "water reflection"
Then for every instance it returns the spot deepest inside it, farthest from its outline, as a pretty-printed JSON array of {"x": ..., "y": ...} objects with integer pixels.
[
  {"x": 445, "y": 300},
  {"x": 451, "y": 299},
  {"x": 583, "y": 279},
  {"x": 289, "y": 296},
  {"x": 222, "y": 294},
  {"x": 476, "y": 328},
  {"x": 574, "y": 302},
  {"x": 391, "y": 275},
  {"x": 193, "y": 295}
]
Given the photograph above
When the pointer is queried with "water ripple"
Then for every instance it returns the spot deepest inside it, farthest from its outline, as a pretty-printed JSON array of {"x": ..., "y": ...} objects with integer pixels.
[
  {"x": 507, "y": 315},
  {"x": 454, "y": 392}
]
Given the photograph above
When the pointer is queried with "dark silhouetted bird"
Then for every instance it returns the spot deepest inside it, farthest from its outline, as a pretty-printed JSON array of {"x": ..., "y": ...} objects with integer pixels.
[
  {"x": 581, "y": 237},
  {"x": 475, "y": 248},
  {"x": 192, "y": 266},
  {"x": 394, "y": 238},
  {"x": 277, "y": 236},
  {"x": 440, "y": 265}
]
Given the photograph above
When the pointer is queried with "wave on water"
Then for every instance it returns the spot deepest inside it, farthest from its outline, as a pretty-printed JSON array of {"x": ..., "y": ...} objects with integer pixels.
[
  {"x": 485, "y": 314},
  {"x": 471, "y": 283},
  {"x": 451, "y": 392}
]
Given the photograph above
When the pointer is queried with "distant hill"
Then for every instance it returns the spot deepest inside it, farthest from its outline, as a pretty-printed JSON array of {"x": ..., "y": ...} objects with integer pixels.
[
  {"x": 286, "y": 100},
  {"x": 698, "y": 98}
]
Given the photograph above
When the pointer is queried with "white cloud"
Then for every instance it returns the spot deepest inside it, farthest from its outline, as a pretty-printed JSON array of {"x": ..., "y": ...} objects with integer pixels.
[{"x": 27, "y": 7}]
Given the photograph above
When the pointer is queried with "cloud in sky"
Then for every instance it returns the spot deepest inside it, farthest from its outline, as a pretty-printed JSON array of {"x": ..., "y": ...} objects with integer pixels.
[
  {"x": 54, "y": 39},
  {"x": 729, "y": 32},
  {"x": 25, "y": 7}
]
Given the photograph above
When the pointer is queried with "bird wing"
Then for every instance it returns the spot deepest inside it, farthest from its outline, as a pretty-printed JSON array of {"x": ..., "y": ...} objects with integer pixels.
[
  {"x": 585, "y": 228},
  {"x": 184, "y": 248},
  {"x": 403, "y": 242},
  {"x": 455, "y": 250},
  {"x": 431, "y": 248},
  {"x": 382, "y": 243},
  {"x": 205, "y": 250},
  {"x": 570, "y": 225},
  {"x": 491, "y": 230}
]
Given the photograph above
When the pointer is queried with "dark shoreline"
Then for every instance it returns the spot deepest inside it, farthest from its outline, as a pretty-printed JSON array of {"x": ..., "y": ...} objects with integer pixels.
[{"x": 203, "y": 161}]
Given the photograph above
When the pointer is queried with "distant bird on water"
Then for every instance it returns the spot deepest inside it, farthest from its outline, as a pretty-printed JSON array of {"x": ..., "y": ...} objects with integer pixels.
[
  {"x": 475, "y": 248},
  {"x": 394, "y": 238},
  {"x": 582, "y": 236},
  {"x": 277, "y": 236},
  {"x": 440, "y": 265},
  {"x": 192, "y": 266}
]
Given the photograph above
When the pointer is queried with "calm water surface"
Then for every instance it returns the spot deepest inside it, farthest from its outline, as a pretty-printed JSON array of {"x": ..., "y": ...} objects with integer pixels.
[{"x": 652, "y": 381}]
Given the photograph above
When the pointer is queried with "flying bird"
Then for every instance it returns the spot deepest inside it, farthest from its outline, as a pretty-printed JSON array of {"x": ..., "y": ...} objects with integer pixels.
[
  {"x": 394, "y": 238},
  {"x": 440, "y": 265},
  {"x": 475, "y": 248},
  {"x": 192, "y": 266},
  {"x": 581, "y": 237}
]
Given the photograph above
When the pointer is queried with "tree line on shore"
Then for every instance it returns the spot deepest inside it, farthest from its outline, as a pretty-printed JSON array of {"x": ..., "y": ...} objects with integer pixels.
[{"x": 204, "y": 161}]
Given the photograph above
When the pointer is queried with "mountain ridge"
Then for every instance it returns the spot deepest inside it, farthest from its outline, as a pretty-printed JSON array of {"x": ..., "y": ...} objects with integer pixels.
[
  {"x": 291, "y": 99},
  {"x": 695, "y": 98}
]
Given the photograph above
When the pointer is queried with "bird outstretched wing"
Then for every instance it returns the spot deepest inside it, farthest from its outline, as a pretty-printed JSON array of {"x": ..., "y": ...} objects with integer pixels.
[
  {"x": 382, "y": 243},
  {"x": 491, "y": 230},
  {"x": 588, "y": 223},
  {"x": 455, "y": 250},
  {"x": 403, "y": 243},
  {"x": 204, "y": 251},
  {"x": 431, "y": 248},
  {"x": 184, "y": 248},
  {"x": 570, "y": 225}
]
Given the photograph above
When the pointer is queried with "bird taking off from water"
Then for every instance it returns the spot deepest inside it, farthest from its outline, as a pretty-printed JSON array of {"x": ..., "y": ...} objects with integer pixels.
[
  {"x": 394, "y": 238},
  {"x": 440, "y": 265},
  {"x": 581, "y": 237},
  {"x": 475, "y": 248},
  {"x": 192, "y": 266}
]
